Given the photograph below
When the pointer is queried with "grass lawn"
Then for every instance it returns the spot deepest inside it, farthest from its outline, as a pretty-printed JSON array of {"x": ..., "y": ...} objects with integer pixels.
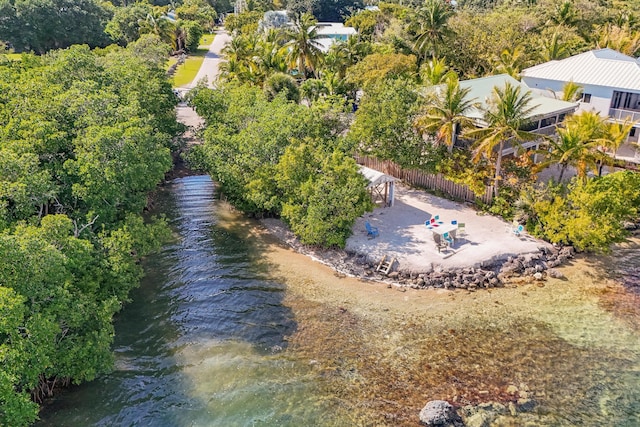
[
  {"x": 172, "y": 60},
  {"x": 186, "y": 72},
  {"x": 206, "y": 40},
  {"x": 13, "y": 56}
]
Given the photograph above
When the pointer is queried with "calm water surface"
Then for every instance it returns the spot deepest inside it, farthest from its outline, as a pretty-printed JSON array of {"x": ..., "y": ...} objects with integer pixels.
[
  {"x": 217, "y": 335},
  {"x": 201, "y": 344}
]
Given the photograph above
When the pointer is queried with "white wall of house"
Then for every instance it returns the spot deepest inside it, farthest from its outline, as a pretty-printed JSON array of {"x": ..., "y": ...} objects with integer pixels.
[{"x": 600, "y": 97}]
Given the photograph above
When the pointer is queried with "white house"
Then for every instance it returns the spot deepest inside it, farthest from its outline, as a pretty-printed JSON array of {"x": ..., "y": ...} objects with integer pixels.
[
  {"x": 330, "y": 32},
  {"x": 548, "y": 112},
  {"x": 610, "y": 82}
]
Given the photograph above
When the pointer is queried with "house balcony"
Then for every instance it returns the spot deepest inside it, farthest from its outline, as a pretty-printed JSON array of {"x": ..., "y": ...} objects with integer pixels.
[{"x": 622, "y": 115}]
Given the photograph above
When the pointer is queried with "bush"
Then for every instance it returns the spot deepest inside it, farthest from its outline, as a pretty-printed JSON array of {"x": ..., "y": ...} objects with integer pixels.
[
  {"x": 280, "y": 83},
  {"x": 193, "y": 32},
  {"x": 588, "y": 215}
]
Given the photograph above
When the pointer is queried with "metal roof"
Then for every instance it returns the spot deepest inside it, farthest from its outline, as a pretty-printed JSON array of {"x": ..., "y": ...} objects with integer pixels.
[
  {"x": 375, "y": 177},
  {"x": 602, "y": 67},
  {"x": 482, "y": 89}
]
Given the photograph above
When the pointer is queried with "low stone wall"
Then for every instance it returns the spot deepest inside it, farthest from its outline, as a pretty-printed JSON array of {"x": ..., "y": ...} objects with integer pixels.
[{"x": 524, "y": 268}]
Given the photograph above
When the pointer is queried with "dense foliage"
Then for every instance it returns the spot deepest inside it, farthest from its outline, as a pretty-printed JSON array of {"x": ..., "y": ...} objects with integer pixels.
[
  {"x": 283, "y": 159},
  {"x": 587, "y": 214},
  {"x": 84, "y": 137},
  {"x": 41, "y": 25}
]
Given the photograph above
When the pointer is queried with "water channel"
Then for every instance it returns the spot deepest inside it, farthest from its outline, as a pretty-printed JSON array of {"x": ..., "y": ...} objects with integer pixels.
[{"x": 229, "y": 328}]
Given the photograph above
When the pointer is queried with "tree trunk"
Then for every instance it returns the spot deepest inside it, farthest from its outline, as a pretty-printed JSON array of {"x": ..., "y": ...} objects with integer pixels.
[
  {"x": 496, "y": 181},
  {"x": 454, "y": 137},
  {"x": 562, "y": 169}
]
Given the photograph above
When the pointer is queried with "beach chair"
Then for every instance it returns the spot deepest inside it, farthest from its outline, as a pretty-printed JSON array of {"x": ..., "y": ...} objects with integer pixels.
[
  {"x": 462, "y": 231},
  {"x": 448, "y": 238},
  {"x": 371, "y": 231},
  {"x": 440, "y": 243},
  {"x": 437, "y": 219},
  {"x": 518, "y": 230}
]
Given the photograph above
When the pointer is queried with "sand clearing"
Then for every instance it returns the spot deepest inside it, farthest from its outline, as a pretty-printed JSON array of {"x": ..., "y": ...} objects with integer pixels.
[{"x": 403, "y": 234}]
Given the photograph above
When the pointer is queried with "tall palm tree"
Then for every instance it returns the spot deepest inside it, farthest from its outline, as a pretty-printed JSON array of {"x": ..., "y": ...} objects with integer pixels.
[
  {"x": 447, "y": 113},
  {"x": 510, "y": 61},
  {"x": 581, "y": 142},
  {"x": 433, "y": 18},
  {"x": 616, "y": 135},
  {"x": 553, "y": 48},
  {"x": 156, "y": 22},
  {"x": 563, "y": 150},
  {"x": 434, "y": 72},
  {"x": 509, "y": 110},
  {"x": 303, "y": 48},
  {"x": 344, "y": 54}
]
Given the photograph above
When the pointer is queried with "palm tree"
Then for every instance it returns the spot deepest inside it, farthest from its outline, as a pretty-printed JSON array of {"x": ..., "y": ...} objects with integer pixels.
[
  {"x": 303, "y": 49},
  {"x": 156, "y": 22},
  {"x": 623, "y": 39},
  {"x": 433, "y": 18},
  {"x": 447, "y": 114},
  {"x": 563, "y": 150},
  {"x": 565, "y": 13},
  {"x": 553, "y": 48},
  {"x": 582, "y": 142},
  {"x": 571, "y": 92},
  {"x": 434, "y": 72},
  {"x": 509, "y": 111},
  {"x": 510, "y": 61},
  {"x": 616, "y": 135},
  {"x": 344, "y": 54}
]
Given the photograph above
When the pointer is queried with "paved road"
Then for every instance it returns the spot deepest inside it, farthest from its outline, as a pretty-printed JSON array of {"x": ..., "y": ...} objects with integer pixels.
[
  {"x": 208, "y": 70},
  {"x": 210, "y": 66}
]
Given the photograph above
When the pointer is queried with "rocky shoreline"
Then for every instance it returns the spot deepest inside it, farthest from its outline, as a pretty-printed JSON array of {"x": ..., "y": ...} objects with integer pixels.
[{"x": 524, "y": 268}]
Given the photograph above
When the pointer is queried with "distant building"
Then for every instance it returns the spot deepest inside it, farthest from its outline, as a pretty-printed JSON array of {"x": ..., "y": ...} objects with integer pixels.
[
  {"x": 610, "y": 82},
  {"x": 331, "y": 32}
]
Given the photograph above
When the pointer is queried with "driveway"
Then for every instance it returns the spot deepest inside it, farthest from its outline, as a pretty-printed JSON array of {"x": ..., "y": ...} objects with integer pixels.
[{"x": 210, "y": 67}]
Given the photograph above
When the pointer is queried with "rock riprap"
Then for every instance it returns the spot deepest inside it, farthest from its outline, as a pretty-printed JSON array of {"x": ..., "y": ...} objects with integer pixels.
[{"x": 440, "y": 413}]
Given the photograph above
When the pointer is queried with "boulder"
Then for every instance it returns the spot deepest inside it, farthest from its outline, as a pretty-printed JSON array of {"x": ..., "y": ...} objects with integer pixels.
[
  {"x": 479, "y": 419},
  {"x": 556, "y": 274},
  {"x": 439, "y": 413}
]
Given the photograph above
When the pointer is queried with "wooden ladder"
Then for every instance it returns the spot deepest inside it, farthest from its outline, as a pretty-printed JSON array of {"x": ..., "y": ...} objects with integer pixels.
[{"x": 385, "y": 265}]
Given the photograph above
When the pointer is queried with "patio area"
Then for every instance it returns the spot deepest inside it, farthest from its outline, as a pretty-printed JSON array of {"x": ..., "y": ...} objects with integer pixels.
[{"x": 402, "y": 234}]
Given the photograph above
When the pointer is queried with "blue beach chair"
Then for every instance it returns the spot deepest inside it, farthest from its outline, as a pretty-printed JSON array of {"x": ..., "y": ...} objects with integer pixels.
[
  {"x": 371, "y": 231},
  {"x": 518, "y": 230}
]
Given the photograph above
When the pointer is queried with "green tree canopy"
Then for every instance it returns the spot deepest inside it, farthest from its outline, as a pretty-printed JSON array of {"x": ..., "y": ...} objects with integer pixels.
[{"x": 42, "y": 25}]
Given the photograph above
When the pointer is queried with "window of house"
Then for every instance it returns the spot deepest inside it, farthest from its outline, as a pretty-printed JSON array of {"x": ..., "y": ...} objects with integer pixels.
[
  {"x": 586, "y": 98},
  {"x": 528, "y": 127},
  {"x": 561, "y": 117},
  {"x": 632, "y": 132},
  {"x": 548, "y": 122}
]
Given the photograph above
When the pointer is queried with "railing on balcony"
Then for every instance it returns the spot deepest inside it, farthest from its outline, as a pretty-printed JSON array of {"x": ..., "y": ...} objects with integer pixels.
[
  {"x": 548, "y": 130},
  {"x": 618, "y": 114}
]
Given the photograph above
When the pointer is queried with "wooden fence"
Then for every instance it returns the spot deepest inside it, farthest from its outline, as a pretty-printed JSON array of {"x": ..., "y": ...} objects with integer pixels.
[{"x": 426, "y": 180}]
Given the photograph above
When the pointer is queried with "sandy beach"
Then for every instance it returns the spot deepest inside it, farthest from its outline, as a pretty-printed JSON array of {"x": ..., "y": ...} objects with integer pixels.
[{"x": 403, "y": 235}]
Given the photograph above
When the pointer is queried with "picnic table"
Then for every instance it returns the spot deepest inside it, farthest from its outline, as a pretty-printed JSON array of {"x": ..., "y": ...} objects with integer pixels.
[{"x": 444, "y": 228}]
